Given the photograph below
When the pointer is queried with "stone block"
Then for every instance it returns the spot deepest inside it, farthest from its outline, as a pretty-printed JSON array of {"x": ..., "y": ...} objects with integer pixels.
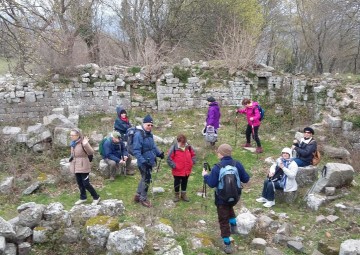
[
  {"x": 30, "y": 97},
  {"x": 306, "y": 176},
  {"x": 285, "y": 197}
]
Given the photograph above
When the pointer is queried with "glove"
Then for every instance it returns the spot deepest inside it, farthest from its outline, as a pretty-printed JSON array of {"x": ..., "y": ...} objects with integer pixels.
[
  {"x": 161, "y": 155},
  {"x": 90, "y": 157}
]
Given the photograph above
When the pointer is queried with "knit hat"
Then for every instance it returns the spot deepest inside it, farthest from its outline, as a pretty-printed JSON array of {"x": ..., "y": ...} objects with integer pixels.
[
  {"x": 115, "y": 134},
  {"x": 123, "y": 111},
  {"x": 224, "y": 150},
  {"x": 287, "y": 150},
  {"x": 148, "y": 119},
  {"x": 309, "y": 129},
  {"x": 211, "y": 99}
]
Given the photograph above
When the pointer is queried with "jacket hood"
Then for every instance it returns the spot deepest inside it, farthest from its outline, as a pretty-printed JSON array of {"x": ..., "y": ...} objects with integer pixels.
[
  {"x": 255, "y": 104},
  {"x": 213, "y": 103},
  {"x": 118, "y": 110}
]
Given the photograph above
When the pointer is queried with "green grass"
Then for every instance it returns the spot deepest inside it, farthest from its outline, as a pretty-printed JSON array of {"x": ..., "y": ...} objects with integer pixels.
[{"x": 183, "y": 217}]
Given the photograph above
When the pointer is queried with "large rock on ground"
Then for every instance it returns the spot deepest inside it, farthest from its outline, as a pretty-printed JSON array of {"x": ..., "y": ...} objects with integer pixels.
[
  {"x": 127, "y": 241},
  {"x": 350, "y": 247},
  {"x": 336, "y": 175},
  {"x": 306, "y": 176}
]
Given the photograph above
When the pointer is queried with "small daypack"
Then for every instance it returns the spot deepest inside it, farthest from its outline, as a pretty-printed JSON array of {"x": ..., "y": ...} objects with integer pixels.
[
  {"x": 261, "y": 111},
  {"x": 130, "y": 133},
  {"x": 229, "y": 187},
  {"x": 101, "y": 146},
  {"x": 210, "y": 134},
  {"x": 316, "y": 158}
]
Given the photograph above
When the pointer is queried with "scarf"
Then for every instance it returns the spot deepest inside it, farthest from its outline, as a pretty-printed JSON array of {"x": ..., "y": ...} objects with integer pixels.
[
  {"x": 73, "y": 143},
  {"x": 124, "y": 119},
  {"x": 306, "y": 141}
]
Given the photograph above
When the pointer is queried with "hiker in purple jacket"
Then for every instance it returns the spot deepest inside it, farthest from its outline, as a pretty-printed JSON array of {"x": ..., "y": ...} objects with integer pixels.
[{"x": 213, "y": 115}]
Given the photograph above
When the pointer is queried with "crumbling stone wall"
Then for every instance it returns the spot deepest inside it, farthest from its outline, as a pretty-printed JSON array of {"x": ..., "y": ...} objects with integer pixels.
[{"x": 102, "y": 89}]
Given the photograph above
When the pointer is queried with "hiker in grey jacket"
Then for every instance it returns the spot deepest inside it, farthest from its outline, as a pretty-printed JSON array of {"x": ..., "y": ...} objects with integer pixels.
[{"x": 145, "y": 151}]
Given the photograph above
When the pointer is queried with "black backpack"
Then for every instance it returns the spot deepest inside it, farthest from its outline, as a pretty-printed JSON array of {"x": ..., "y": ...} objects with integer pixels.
[
  {"x": 229, "y": 187},
  {"x": 130, "y": 133}
]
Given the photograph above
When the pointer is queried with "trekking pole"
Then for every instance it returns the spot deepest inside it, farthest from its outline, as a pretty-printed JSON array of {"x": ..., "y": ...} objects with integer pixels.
[{"x": 236, "y": 128}]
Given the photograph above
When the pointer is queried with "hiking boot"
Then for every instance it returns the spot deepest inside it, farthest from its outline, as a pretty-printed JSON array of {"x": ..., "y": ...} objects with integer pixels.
[
  {"x": 259, "y": 150},
  {"x": 95, "y": 201},
  {"x": 176, "y": 197},
  {"x": 146, "y": 203},
  {"x": 246, "y": 145},
  {"x": 228, "y": 249},
  {"x": 137, "y": 198},
  {"x": 269, "y": 204},
  {"x": 184, "y": 197},
  {"x": 80, "y": 201},
  {"x": 261, "y": 200},
  {"x": 234, "y": 230}
]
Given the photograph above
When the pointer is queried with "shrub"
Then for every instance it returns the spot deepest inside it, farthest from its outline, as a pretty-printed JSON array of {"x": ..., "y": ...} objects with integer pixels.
[{"x": 181, "y": 73}]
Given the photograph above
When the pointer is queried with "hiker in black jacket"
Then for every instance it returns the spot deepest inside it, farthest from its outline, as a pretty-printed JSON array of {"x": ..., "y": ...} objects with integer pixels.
[{"x": 305, "y": 148}]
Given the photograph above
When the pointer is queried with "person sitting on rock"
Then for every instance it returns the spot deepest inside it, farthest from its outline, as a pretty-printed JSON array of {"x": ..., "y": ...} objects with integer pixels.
[
  {"x": 281, "y": 176},
  {"x": 122, "y": 123},
  {"x": 115, "y": 154},
  {"x": 305, "y": 148}
]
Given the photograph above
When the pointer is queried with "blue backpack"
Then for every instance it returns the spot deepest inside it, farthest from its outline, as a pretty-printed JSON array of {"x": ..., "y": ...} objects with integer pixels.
[
  {"x": 261, "y": 111},
  {"x": 229, "y": 187}
]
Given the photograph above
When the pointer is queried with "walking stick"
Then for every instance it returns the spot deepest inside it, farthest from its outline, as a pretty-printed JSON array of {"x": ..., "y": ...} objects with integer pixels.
[
  {"x": 206, "y": 167},
  {"x": 236, "y": 128}
]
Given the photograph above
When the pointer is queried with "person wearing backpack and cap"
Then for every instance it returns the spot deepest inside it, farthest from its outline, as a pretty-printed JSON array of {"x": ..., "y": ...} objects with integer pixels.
[
  {"x": 116, "y": 154},
  {"x": 225, "y": 210},
  {"x": 145, "y": 151},
  {"x": 305, "y": 148},
  {"x": 213, "y": 115},
  {"x": 282, "y": 175},
  {"x": 253, "y": 119},
  {"x": 122, "y": 123},
  {"x": 181, "y": 158}
]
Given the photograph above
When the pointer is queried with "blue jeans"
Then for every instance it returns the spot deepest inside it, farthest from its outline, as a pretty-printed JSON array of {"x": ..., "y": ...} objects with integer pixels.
[
  {"x": 268, "y": 189},
  {"x": 301, "y": 163}
]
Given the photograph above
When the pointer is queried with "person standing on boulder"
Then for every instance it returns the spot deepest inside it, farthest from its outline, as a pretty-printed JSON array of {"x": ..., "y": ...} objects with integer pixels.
[
  {"x": 145, "y": 151},
  {"x": 80, "y": 157},
  {"x": 253, "y": 119}
]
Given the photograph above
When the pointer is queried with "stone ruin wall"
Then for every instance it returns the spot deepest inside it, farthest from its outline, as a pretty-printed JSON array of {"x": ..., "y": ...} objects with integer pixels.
[{"x": 23, "y": 99}]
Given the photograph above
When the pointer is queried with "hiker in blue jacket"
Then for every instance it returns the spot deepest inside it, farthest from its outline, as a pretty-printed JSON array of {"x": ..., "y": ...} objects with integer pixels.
[
  {"x": 115, "y": 154},
  {"x": 225, "y": 211},
  {"x": 145, "y": 151}
]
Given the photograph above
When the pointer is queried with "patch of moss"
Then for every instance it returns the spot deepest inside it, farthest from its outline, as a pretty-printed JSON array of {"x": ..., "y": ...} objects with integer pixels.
[
  {"x": 42, "y": 177},
  {"x": 108, "y": 221},
  {"x": 165, "y": 221},
  {"x": 39, "y": 228},
  {"x": 205, "y": 239}
]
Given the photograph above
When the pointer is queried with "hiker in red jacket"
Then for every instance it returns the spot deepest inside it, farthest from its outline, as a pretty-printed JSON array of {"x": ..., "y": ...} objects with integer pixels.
[
  {"x": 253, "y": 118},
  {"x": 181, "y": 158}
]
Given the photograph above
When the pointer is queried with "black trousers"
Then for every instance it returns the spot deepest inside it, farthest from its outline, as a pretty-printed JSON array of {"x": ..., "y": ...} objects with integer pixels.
[
  {"x": 249, "y": 132},
  {"x": 225, "y": 213},
  {"x": 83, "y": 181},
  {"x": 180, "y": 180}
]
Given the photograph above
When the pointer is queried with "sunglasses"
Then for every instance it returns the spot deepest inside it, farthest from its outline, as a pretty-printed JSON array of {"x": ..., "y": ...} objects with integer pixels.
[{"x": 149, "y": 125}]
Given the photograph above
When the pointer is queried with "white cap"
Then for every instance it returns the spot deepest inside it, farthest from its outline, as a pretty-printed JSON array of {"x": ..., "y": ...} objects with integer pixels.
[{"x": 287, "y": 150}]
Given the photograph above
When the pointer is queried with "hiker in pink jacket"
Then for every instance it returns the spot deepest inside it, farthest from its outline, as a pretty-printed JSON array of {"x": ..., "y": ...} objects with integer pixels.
[{"x": 253, "y": 118}]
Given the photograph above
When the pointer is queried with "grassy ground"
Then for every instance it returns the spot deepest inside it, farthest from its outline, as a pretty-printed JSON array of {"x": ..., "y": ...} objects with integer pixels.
[{"x": 184, "y": 217}]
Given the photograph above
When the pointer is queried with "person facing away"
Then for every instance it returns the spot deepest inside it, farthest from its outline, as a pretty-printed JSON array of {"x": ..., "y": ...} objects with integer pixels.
[
  {"x": 213, "y": 114},
  {"x": 122, "y": 123},
  {"x": 225, "y": 211},
  {"x": 305, "y": 148},
  {"x": 181, "y": 158},
  {"x": 81, "y": 154},
  {"x": 253, "y": 119},
  {"x": 146, "y": 151},
  {"x": 116, "y": 154},
  {"x": 281, "y": 176}
]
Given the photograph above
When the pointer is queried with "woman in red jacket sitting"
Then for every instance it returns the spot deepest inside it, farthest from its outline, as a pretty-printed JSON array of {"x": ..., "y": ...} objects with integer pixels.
[{"x": 181, "y": 158}]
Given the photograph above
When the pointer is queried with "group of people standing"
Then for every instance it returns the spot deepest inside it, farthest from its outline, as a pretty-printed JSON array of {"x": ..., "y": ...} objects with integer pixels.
[{"x": 181, "y": 157}]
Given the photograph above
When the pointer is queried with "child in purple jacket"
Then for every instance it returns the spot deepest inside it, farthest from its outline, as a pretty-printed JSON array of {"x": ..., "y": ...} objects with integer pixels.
[{"x": 253, "y": 119}]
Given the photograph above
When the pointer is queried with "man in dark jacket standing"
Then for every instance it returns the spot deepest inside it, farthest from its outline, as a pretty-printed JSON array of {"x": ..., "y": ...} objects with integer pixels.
[
  {"x": 145, "y": 151},
  {"x": 225, "y": 211},
  {"x": 115, "y": 154}
]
